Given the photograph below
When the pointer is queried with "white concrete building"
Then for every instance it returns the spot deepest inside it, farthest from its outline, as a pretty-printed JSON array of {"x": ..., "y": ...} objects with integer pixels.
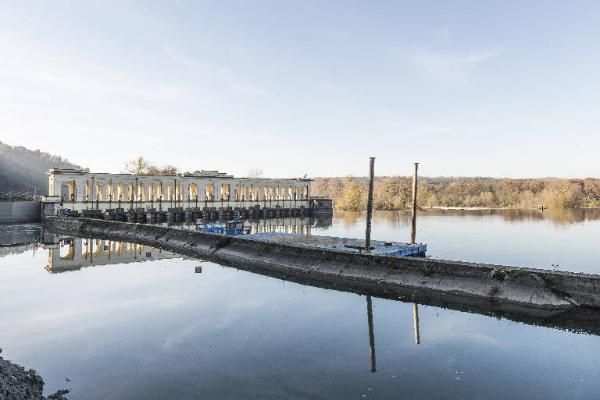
[{"x": 81, "y": 190}]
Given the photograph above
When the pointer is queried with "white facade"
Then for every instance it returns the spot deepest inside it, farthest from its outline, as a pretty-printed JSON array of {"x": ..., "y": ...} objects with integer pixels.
[{"x": 80, "y": 190}]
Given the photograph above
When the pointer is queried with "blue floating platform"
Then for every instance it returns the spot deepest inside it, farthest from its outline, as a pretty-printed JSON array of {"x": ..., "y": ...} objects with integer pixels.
[{"x": 347, "y": 245}]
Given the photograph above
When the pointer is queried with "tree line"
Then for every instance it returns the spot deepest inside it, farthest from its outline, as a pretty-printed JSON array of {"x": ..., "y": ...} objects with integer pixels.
[
  {"x": 395, "y": 192},
  {"x": 24, "y": 172}
]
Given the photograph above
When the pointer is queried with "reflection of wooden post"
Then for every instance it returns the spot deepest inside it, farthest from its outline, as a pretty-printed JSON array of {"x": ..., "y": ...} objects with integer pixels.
[
  {"x": 369, "y": 205},
  {"x": 416, "y": 323},
  {"x": 371, "y": 334},
  {"x": 413, "y": 231}
]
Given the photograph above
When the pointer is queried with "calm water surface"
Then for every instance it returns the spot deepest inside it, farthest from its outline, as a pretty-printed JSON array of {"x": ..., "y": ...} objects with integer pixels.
[{"x": 128, "y": 328}]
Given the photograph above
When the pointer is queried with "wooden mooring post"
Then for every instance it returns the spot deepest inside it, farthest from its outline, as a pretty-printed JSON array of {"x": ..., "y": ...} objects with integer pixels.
[
  {"x": 413, "y": 230},
  {"x": 370, "y": 205}
]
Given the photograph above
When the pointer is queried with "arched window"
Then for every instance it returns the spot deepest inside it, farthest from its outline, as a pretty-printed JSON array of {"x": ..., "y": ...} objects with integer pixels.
[
  {"x": 225, "y": 192},
  {"x": 193, "y": 191},
  {"x": 209, "y": 191},
  {"x": 68, "y": 191}
]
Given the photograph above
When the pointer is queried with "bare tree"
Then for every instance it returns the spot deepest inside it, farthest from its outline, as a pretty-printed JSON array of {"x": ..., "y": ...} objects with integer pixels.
[
  {"x": 139, "y": 166},
  {"x": 255, "y": 173}
]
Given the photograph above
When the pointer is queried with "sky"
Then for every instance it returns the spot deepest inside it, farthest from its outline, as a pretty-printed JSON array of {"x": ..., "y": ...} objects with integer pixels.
[{"x": 466, "y": 88}]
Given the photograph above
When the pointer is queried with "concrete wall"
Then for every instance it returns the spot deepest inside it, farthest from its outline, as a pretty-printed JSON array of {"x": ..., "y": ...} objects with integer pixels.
[
  {"x": 529, "y": 291},
  {"x": 19, "y": 211},
  {"x": 19, "y": 234}
]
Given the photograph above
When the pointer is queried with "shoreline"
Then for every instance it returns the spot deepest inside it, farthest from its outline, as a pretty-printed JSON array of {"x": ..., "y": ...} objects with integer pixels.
[{"x": 18, "y": 383}]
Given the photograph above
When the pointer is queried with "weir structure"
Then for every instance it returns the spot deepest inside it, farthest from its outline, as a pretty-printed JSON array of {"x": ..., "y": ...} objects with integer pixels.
[
  {"x": 557, "y": 299},
  {"x": 81, "y": 191}
]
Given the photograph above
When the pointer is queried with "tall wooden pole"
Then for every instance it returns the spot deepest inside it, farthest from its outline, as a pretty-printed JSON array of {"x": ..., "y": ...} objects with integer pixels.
[
  {"x": 413, "y": 231},
  {"x": 370, "y": 205}
]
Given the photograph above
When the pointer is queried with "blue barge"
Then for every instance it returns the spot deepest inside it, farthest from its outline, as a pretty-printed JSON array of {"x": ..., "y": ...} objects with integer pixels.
[{"x": 347, "y": 245}]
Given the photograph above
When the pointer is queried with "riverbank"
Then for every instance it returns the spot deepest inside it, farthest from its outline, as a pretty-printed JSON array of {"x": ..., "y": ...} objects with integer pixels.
[
  {"x": 526, "y": 291},
  {"x": 17, "y": 383}
]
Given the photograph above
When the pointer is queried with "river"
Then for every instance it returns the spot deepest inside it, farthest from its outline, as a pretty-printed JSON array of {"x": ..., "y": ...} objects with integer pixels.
[{"x": 131, "y": 322}]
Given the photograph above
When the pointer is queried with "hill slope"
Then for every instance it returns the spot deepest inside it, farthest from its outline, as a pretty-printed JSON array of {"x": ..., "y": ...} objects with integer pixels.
[{"x": 23, "y": 172}]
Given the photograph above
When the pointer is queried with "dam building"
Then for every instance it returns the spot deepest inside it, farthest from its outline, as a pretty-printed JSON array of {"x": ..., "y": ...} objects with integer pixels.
[{"x": 80, "y": 190}]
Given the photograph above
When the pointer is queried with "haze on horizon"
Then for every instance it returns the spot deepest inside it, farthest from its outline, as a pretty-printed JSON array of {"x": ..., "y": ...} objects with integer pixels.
[{"x": 468, "y": 88}]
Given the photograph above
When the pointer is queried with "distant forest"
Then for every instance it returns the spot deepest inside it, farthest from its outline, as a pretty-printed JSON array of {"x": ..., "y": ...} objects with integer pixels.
[
  {"x": 23, "y": 172},
  {"x": 394, "y": 193}
]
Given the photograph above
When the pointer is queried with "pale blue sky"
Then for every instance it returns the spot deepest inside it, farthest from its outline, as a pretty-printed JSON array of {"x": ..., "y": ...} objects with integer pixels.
[{"x": 504, "y": 88}]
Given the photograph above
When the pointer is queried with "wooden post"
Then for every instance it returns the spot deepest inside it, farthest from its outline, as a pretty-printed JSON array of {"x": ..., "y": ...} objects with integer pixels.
[
  {"x": 370, "y": 205},
  {"x": 371, "y": 334},
  {"x": 413, "y": 231}
]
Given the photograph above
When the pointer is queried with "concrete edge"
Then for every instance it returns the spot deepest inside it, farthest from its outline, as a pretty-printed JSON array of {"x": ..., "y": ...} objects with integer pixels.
[{"x": 509, "y": 288}]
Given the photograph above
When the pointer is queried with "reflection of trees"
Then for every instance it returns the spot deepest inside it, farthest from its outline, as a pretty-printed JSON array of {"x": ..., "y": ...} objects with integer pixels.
[
  {"x": 556, "y": 216},
  {"x": 559, "y": 217},
  {"x": 348, "y": 218},
  {"x": 394, "y": 216}
]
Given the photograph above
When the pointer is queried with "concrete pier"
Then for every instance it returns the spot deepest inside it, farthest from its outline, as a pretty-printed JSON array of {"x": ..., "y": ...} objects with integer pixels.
[{"x": 521, "y": 291}]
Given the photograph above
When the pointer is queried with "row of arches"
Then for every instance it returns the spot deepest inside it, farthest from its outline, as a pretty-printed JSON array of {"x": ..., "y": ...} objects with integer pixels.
[{"x": 143, "y": 192}]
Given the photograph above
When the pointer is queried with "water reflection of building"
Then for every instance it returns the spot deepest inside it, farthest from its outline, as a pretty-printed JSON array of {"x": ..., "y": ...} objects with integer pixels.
[
  {"x": 18, "y": 238},
  {"x": 17, "y": 249},
  {"x": 74, "y": 253},
  {"x": 295, "y": 225},
  {"x": 66, "y": 254}
]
